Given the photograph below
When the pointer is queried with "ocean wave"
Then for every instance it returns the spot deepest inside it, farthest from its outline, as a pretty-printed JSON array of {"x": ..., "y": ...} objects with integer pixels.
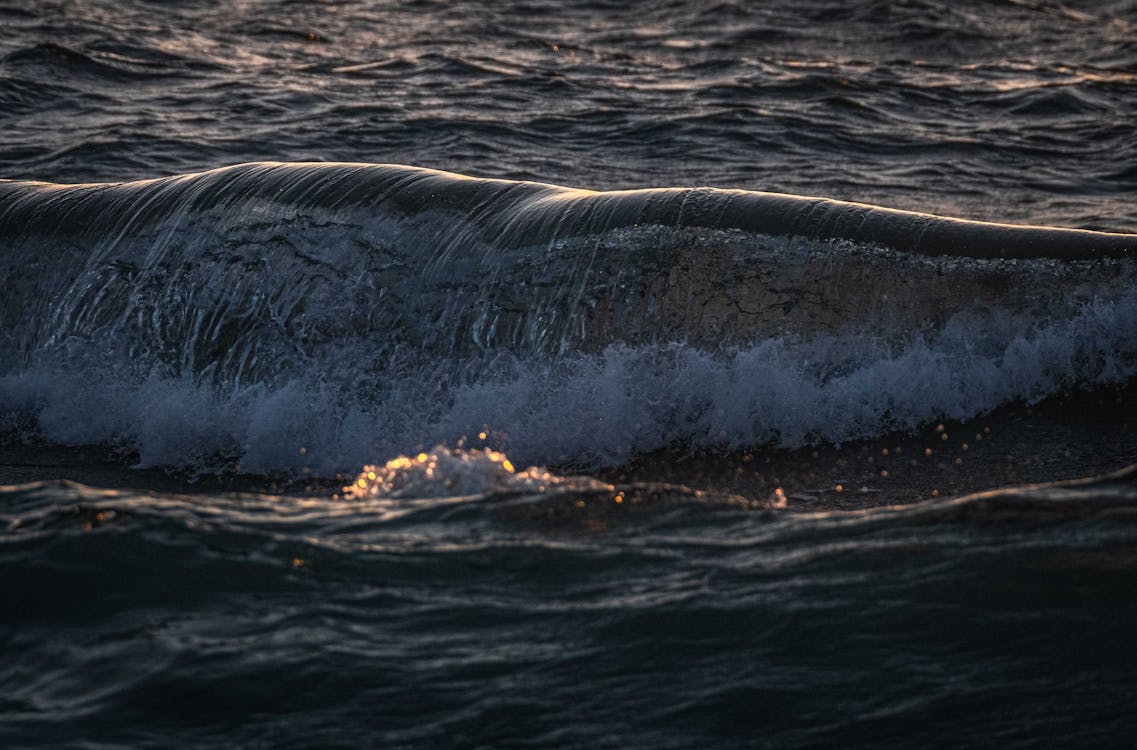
[{"x": 320, "y": 316}]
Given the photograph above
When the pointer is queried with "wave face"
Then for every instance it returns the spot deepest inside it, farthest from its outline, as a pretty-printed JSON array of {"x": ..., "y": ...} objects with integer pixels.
[{"x": 315, "y": 316}]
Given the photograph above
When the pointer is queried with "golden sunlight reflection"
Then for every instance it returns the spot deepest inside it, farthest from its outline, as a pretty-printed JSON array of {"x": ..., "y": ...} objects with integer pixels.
[{"x": 445, "y": 472}]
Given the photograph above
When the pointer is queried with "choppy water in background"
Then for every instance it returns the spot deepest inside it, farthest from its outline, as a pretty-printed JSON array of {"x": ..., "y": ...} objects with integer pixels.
[
  {"x": 1016, "y": 111},
  {"x": 432, "y": 336}
]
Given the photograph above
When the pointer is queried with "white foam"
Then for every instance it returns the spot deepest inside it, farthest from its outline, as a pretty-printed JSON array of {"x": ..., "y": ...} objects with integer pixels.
[
  {"x": 586, "y": 409},
  {"x": 446, "y": 472}
]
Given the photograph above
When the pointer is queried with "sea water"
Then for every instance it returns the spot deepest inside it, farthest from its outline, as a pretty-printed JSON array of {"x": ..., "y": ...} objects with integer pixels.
[{"x": 308, "y": 444}]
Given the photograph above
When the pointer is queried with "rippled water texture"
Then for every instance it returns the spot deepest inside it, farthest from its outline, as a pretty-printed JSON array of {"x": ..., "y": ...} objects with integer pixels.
[
  {"x": 1001, "y": 620},
  {"x": 1011, "y": 111}
]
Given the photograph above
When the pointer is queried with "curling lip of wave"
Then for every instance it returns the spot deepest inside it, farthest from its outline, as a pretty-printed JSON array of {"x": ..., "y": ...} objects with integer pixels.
[{"x": 523, "y": 213}]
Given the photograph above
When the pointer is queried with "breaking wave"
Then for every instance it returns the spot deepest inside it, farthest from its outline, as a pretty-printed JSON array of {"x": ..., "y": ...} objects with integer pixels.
[{"x": 312, "y": 316}]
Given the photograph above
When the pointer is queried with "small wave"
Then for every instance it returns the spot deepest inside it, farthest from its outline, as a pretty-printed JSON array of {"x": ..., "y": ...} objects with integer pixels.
[
  {"x": 1113, "y": 494},
  {"x": 20, "y": 96},
  {"x": 70, "y": 62}
]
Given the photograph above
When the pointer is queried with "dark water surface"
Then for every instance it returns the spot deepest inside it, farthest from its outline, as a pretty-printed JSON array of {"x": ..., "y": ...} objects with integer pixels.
[
  {"x": 148, "y": 620},
  {"x": 1006, "y": 111},
  {"x": 422, "y": 460}
]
